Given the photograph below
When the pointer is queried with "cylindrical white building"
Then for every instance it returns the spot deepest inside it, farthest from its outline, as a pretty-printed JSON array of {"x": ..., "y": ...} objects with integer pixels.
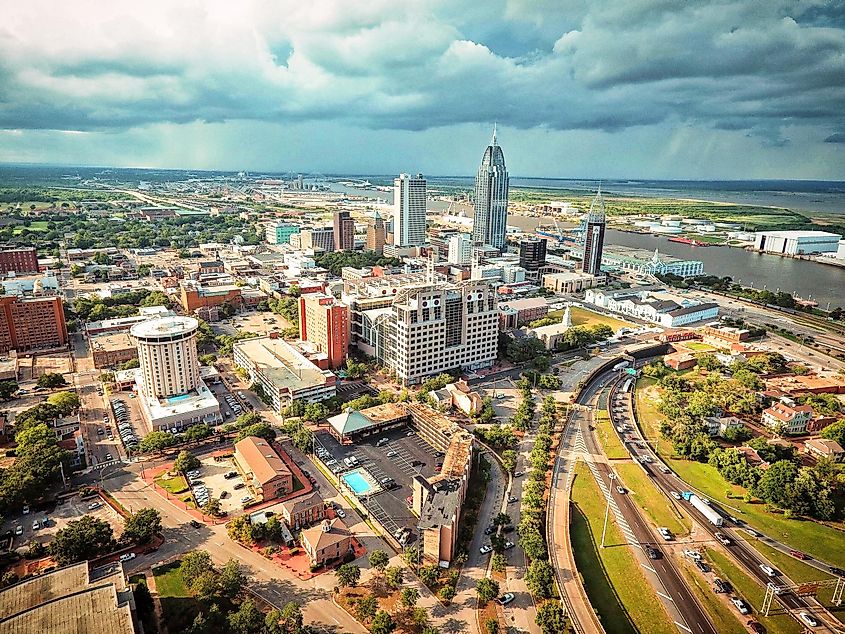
[{"x": 167, "y": 351}]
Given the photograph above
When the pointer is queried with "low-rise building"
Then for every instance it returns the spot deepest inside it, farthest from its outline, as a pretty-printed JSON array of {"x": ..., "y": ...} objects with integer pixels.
[
  {"x": 283, "y": 372},
  {"x": 112, "y": 349},
  {"x": 680, "y": 360},
  {"x": 327, "y": 542},
  {"x": 824, "y": 448},
  {"x": 573, "y": 282},
  {"x": 783, "y": 418},
  {"x": 193, "y": 296},
  {"x": 519, "y": 312},
  {"x": 304, "y": 510},
  {"x": 719, "y": 425},
  {"x": 263, "y": 470},
  {"x": 460, "y": 396},
  {"x": 723, "y": 336},
  {"x": 654, "y": 305}
]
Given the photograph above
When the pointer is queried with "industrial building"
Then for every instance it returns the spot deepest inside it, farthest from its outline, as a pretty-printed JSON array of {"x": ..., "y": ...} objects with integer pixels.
[
  {"x": 796, "y": 242},
  {"x": 283, "y": 373}
]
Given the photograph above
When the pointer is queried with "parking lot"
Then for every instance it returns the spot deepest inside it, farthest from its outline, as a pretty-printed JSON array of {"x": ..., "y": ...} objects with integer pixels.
[
  {"x": 57, "y": 517},
  {"x": 129, "y": 425},
  {"x": 402, "y": 456},
  {"x": 212, "y": 476},
  {"x": 230, "y": 405}
]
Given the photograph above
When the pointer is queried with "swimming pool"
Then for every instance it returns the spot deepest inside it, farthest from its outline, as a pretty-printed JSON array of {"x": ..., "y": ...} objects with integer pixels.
[{"x": 358, "y": 481}]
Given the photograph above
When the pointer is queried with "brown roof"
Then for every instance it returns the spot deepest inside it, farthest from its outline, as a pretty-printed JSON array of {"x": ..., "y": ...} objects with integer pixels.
[
  {"x": 261, "y": 459},
  {"x": 786, "y": 413},
  {"x": 303, "y": 502},
  {"x": 320, "y": 538},
  {"x": 824, "y": 445}
]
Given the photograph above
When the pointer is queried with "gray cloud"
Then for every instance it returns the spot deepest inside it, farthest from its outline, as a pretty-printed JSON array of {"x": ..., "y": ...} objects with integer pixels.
[
  {"x": 836, "y": 137},
  {"x": 730, "y": 65}
]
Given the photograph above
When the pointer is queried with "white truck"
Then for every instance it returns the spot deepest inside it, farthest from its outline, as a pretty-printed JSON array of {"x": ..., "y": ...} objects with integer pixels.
[{"x": 712, "y": 516}]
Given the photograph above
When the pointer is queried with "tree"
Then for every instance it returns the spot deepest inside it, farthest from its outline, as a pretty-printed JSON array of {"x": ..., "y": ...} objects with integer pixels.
[
  {"x": 141, "y": 526},
  {"x": 487, "y": 589},
  {"x": 382, "y": 623},
  {"x": 378, "y": 559},
  {"x": 214, "y": 508},
  {"x": 393, "y": 577},
  {"x": 186, "y": 461},
  {"x": 291, "y": 618},
  {"x": 835, "y": 431},
  {"x": 409, "y": 597},
  {"x": 51, "y": 380},
  {"x": 429, "y": 574},
  {"x": 194, "y": 564},
  {"x": 498, "y": 563},
  {"x": 7, "y": 388},
  {"x": 348, "y": 575},
  {"x": 509, "y": 460},
  {"x": 197, "y": 432},
  {"x": 65, "y": 402},
  {"x": 259, "y": 430},
  {"x": 551, "y": 617},
  {"x": 540, "y": 579},
  {"x": 491, "y": 626},
  {"x": 247, "y": 620},
  {"x": 315, "y": 412},
  {"x": 775, "y": 483},
  {"x": 366, "y": 607},
  {"x": 231, "y": 580},
  {"x": 156, "y": 442},
  {"x": 240, "y": 529},
  {"x": 85, "y": 538}
]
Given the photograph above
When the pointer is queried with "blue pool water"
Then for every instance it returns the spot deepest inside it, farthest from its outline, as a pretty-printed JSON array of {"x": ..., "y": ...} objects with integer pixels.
[
  {"x": 356, "y": 482},
  {"x": 176, "y": 399}
]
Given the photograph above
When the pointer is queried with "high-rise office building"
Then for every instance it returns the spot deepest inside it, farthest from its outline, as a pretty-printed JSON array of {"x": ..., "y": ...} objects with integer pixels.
[
  {"x": 532, "y": 254},
  {"x": 376, "y": 233},
  {"x": 594, "y": 226},
  {"x": 409, "y": 199},
  {"x": 314, "y": 238},
  {"x": 344, "y": 231},
  {"x": 280, "y": 232},
  {"x": 31, "y": 324},
  {"x": 460, "y": 249},
  {"x": 491, "y": 198},
  {"x": 167, "y": 351},
  {"x": 324, "y": 321}
]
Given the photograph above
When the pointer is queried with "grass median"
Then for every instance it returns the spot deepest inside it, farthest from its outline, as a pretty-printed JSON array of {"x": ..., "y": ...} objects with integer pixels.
[
  {"x": 778, "y": 622},
  {"x": 612, "y": 446},
  {"x": 656, "y": 505},
  {"x": 613, "y": 579},
  {"x": 726, "y": 619},
  {"x": 811, "y": 537}
]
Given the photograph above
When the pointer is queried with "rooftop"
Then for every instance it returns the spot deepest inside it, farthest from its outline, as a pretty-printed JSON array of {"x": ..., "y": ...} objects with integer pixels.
[
  {"x": 262, "y": 459},
  {"x": 800, "y": 234},
  {"x": 164, "y": 326},
  {"x": 111, "y": 341},
  {"x": 283, "y": 365},
  {"x": 326, "y": 533}
]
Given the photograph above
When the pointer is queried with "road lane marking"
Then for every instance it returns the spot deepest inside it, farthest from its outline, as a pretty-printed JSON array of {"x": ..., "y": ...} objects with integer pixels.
[{"x": 683, "y": 627}]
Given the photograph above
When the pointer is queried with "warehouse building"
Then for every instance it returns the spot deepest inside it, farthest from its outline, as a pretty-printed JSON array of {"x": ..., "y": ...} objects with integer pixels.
[{"x": 796, "y": 242}]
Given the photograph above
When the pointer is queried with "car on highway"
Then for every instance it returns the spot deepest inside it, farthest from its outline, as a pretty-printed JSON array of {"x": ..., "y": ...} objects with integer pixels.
[
  {"x": 486, "y": 548},
  {"x": 127, "y": 556},
  {"x": 740, "y": 605},
  {"x": 506, "y": 598},
  {"x": 724, "y": 539},
  {"x": 675, "y": 495},
  {"x": 837, "y": 571},
  {"x": 808, "y": 619},
  {"x": 798, "y": 554},
  {"x": 768, "y": 570},
  {"x": 651, "y": 552},
  {"x": 778, "y": 590},
  {"x": 620, "y": 490}
]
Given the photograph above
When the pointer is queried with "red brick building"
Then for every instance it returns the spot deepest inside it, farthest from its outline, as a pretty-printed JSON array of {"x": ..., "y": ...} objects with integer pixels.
[
  {"x": 193, "y": 297},
  {"x": 32, "y": 324},
  {"x": 19, "y": 260},
  {"x": 324, "y": 321}
]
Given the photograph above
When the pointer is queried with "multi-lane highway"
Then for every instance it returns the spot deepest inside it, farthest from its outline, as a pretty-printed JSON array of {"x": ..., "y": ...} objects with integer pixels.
[{"x": 667, "y": 481}]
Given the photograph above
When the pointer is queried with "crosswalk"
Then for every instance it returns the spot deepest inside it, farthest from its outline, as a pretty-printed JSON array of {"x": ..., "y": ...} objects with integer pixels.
[{"x": 617, "y": 513}]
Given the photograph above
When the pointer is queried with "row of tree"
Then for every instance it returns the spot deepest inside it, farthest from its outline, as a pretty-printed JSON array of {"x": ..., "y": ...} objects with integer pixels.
[{"x": 90, "y": 537}]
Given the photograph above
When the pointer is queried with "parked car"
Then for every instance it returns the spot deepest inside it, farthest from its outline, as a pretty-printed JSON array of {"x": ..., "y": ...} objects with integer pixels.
[
  {"x": 509, "y": 545},
  {"x": 665, "y": 533},
  {"x": 506, "y": 598},
  {"x": 127, "y": 556},
  {"x": 756, "y": 627},
  {"x": 486, "y": 548},
  {"x": 692, "y": 554},
  {"x": 703, "y": 567},
  {"x": 490, "y": 530},
  {"x": 36, "y": 525},
  {"x": 512, "y": 499},
  {"x": 518, "y": 474},
  {"x": 18, "y": 529},
  {"x": 719, "y": 586},
  {"x": 195, "y": 524},
  {"x": 740, "y": 605},
  {"x": 94, "y": 505}
]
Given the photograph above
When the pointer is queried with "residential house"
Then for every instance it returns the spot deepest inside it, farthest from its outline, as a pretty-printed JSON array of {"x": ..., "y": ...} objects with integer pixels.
[{"x": 330, "y": 540}]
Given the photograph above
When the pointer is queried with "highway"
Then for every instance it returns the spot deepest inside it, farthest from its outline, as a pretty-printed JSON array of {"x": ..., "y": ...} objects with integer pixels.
[{"x": 667, "y": 481}]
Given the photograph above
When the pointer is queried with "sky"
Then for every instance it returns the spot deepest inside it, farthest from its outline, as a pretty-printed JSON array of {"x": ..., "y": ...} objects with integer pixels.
[{"x": 675, "y": 89}]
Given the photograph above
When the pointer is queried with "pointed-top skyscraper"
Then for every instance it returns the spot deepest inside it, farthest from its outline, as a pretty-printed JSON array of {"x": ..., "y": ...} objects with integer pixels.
[
  {"x": 491, "y": 198},
  {"x": 594, "y": 236}
]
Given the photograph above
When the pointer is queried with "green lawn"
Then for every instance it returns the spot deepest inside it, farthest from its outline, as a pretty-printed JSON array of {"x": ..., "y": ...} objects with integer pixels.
[
  {"x": 608, "y": 437},
  {"x": 585, "y": 317},
  {"x": 698, "y": 346},
  {"x": 178, "y": 607},
  {"x": 174, "y": 485},
  {"x": 725, "y": 618},
  {"x": 656, "y": 505},
  {"x": 613, "y": 579},
  {"x": 813, "y": 538},
  {"x": 752, "y": 592},
  {"x": 35, "y": 225}
]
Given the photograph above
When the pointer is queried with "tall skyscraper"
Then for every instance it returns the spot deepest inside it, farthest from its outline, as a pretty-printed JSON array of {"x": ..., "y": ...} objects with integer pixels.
[
  {"x": 409, "y": 210},
  {"x": 594, "y": 226},
  {"x": 491, "y": 198},
  {"x": 376, "y": 233},
  {"x": 167, "y": 351},
  {"x": 344, "y": 231},
  {"x": 532, "y": 254}
]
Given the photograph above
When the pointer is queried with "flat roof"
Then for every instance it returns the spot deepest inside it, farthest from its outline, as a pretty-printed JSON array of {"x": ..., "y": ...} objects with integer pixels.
[
  {"x": 800, "y": 234},
  {"x": 282, "y": 364},
  {"x": 112, "y": 341},
  {"x": 163, "y": 326},
  {"x": 197, "y": 402}
]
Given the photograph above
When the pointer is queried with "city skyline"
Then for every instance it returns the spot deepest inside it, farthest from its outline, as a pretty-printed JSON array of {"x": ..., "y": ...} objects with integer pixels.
[{"x": 642, "y": 90}]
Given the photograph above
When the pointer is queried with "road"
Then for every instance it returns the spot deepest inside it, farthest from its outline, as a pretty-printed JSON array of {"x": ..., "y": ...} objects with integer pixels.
[{"x": 749, "y": 558}]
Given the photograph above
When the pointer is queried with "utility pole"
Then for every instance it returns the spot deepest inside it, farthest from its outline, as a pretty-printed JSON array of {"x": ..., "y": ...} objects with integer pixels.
[{"x": 604, "y": 528}]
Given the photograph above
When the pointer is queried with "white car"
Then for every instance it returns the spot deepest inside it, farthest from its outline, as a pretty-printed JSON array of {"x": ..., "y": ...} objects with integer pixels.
[
  {"x": 506, "y": 598},
  {"x": 665, "y": 533},
  {"x": 808, "y": 619},
  {"x": 768, "y": 570},
  {"x": 94, "y": 505},
  {"x": 486, "y": 548},
  {"x": 509, "y": 545},
  {"x": 127, "y": 556},
  {"x": 340, "y": 513},
  {"x": 740, "y": 605},
  {"x": 18, "y": 530},
  {"x": 246, "y": 498},
  {"x": 695, "y": 556},
  {"x": 675, "y": 495}
]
